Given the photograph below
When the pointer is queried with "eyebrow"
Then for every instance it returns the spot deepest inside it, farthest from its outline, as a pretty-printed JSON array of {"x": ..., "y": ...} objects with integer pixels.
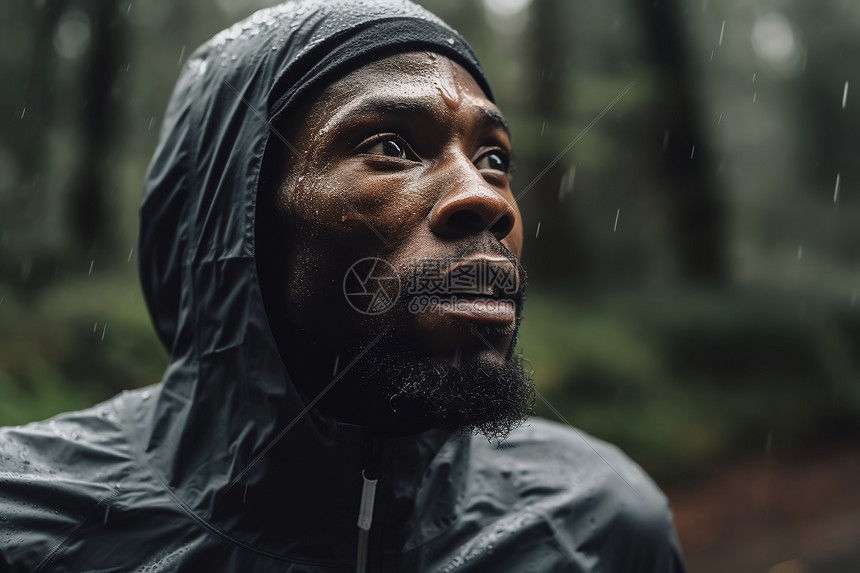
[
  {"x": 492, "y": 118},
  {"x": 489, "y": 119}
]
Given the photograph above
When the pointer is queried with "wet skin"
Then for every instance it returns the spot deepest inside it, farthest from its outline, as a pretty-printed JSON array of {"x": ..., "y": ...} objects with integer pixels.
[{"x": 404, "y": 159}]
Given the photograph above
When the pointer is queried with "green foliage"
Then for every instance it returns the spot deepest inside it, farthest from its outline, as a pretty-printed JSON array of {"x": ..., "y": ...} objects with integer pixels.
[
  {"x": 685, "y": 379},
  {"x": 74, "y": 345}
]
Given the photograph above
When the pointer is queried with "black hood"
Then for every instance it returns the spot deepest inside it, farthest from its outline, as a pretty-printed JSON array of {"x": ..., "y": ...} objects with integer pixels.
[
  {"x": 200, "y": 190},
  {"x": 228, "y": 423}
]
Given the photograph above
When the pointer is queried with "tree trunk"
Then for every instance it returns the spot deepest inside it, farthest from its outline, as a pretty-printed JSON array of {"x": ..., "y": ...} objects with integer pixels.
[{"x": 693, "y": 198}]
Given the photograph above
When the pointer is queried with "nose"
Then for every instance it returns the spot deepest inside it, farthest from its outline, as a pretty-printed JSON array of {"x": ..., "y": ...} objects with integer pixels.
[{"x": 472, "y": 208}]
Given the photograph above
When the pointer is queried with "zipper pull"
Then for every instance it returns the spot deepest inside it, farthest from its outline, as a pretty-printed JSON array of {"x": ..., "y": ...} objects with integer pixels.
[
  {"x": 368, "y": 495},
  {"x": 365, "y": 518}
]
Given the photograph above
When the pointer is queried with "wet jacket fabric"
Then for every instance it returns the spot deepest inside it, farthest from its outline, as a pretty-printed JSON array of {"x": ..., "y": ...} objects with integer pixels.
[{"x": 223, "y": 466}]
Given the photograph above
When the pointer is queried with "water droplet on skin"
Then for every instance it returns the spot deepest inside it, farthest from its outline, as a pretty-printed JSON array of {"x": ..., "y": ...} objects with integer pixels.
[{"x": 450, "y": 100}]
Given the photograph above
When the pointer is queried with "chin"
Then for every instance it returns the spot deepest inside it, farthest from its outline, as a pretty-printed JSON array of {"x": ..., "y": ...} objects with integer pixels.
[
  {"x": 473, "y": 390},
  {"x": 471, "y": 358},
  {"x": 453, "y": 342}
]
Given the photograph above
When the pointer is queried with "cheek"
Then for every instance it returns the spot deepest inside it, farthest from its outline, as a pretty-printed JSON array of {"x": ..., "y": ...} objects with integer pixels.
[{"x": 360, "y": 209}]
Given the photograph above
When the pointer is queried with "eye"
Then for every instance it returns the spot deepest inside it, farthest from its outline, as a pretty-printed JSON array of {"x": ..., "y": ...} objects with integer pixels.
[
  {"x": 496, "y": 160},
  {"x": 388, "y": 145}
]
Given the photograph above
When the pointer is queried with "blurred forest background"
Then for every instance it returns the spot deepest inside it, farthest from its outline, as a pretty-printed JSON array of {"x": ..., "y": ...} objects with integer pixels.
[{"x": 689, "y": 178}]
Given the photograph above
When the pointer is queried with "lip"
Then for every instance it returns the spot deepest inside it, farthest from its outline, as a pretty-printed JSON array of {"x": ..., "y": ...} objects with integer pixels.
[
  {"x": 486, "y": 311},
  {"x": 499, "y": 273}
]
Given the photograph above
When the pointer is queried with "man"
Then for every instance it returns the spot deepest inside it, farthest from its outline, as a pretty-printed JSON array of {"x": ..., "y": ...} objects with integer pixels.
[{"x": 322, "y": 168}]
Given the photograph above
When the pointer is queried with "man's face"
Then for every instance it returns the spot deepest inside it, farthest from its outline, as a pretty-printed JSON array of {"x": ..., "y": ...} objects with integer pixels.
[{"x": 404, "y": 161}]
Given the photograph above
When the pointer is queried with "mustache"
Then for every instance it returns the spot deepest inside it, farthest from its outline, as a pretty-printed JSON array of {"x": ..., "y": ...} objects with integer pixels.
[{"x": 486, "y": 264}]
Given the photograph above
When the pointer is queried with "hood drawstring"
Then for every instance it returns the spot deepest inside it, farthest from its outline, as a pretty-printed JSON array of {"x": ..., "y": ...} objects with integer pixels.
[
  {"x": 370, "y": 475},
  {"x": 365, "y": 517}
]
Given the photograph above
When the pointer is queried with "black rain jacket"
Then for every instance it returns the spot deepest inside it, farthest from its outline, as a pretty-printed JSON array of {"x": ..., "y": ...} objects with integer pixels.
[{"x": 218, "y": 467}]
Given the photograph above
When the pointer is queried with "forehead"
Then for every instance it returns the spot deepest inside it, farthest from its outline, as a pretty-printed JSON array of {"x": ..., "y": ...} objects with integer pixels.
[
  {"x": 404, "y": 77},
  {"x": 407, "y": 68}
]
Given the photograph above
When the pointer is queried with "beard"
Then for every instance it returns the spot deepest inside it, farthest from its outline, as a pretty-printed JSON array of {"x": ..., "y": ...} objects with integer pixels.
[
  {"x": 417, "y": 392},
  {"x": 412, "y": 390}
]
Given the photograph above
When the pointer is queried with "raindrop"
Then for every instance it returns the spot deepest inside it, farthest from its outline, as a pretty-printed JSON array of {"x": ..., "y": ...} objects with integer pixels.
[
  {"x": 538, "y": 230},
  {"x": 844, "y": 96},
  {"x": 711, "y": 59},
  {"x": 128, "y": 10},
  {"x": 181, "y": 54},
  {"x": 754, "y": 96},
  {"x": 720, "y": 119},
  {"x": 542, "y": 126},
  {"x": 693, "y": 152},
  {"x": 753, "y": 78},
  {"x": 800, "y": 253},
  {"x": 151, "y": 122},
  {"x": 617, "y": 215},
  {"x": 95, "y": 327},
  {"x": 130, "y": 254},
  {"x": 104, "y": 329},
  {"x": 336, "y": 361},
  {"x": 23, "y": 111},
  {"x": 566, "y": 185},
  {"x": 722, "y": 31},
  {"x": 836, "y": 190},
  {"x": 92, "y": 262}
]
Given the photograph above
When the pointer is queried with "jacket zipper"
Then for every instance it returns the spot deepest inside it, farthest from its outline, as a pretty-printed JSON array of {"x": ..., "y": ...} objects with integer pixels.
[{"x": 370, "y": 477}]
